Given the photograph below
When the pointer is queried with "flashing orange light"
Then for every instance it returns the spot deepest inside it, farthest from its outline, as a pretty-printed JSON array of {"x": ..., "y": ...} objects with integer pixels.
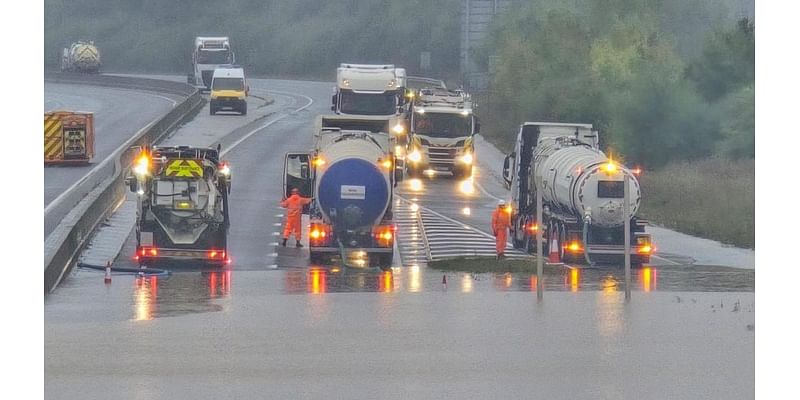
[
  {"x": 315, "y": 234},
  {"x": 212, "y": 254},
  {"x": 318, "y": 161},
  {"x": 142, "y": 164},
  {"x": 574, "y": 247},
  {"x": 609, "y": 167},
  {"x": 386, "y": 163},
  {"x": 533, "y": 227},
  {"x": 646, "y": 249},
  {"x": 508, "y": 209},
  {"x": 387, "y": 235}
]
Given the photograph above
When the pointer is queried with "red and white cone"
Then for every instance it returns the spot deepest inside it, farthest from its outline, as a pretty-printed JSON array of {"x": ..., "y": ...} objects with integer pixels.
[
  {"x": 553, "y": 257},
  {"x": 107, "y": 279}
]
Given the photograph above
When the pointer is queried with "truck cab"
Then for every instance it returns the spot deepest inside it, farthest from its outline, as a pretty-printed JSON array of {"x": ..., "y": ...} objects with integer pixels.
[
  {"x": 229, "y": 91},
  {"x": 442, "y": 126},
  {"x": 209, "y": 53}
]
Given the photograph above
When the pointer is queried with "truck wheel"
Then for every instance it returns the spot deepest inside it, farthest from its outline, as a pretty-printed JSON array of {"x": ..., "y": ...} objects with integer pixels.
[
  {"x": 412, "y": 172},
  {"x": 243, "y": 110},
  {"x": 212, "y": 110}
]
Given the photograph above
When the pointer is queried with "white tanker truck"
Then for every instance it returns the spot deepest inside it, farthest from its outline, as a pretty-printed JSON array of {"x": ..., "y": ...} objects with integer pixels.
[
  {"x": 351, "y": 178},
  {"x": 582, "y": 196}
]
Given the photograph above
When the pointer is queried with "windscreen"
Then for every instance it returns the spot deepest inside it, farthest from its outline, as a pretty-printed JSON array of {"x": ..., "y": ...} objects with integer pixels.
[
  {"x": 368, "y": 103},
  {"x": 214, "y": 57},
  {"x": 228, "y": 84},
  {"x": 443, "y": 125}
]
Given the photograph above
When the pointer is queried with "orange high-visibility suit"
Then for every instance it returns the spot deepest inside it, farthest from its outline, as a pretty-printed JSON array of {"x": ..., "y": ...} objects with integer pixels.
[
  {"x": 501, "y": 221},
  {"x": 294, "y": 214}
]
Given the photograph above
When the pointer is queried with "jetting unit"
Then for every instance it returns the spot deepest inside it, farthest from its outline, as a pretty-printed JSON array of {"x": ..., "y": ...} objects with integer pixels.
[{"x": 582, "y": 193}]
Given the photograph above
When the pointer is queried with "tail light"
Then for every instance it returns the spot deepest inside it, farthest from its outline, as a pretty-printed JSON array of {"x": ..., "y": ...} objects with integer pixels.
[
  {"x": 384, "y": 235},
  {"x": 532, "y": 228},
  {"x": 319, "y": 234},
  {"x": 216, "y": 255},
  {"x": 574, "y": 247},
  {"x": 148, "y": 252},
  {"x": 644, "y": 244}
]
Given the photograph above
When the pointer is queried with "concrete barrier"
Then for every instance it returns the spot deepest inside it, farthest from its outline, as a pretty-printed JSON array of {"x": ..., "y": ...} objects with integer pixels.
[{"x": 64, "y": 244}]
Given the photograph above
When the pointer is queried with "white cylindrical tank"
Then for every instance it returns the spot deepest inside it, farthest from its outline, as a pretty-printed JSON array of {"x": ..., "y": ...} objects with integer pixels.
[
  {"x": 575, "y": 179},
  {"x": 353, "y": 188}
]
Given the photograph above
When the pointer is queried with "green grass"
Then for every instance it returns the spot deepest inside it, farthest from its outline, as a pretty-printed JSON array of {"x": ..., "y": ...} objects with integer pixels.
[
  {"x": 713, "y": 198},
  {"x": 485, "y": 264}
]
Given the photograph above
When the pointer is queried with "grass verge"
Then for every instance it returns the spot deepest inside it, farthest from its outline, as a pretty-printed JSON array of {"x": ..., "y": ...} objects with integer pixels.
[
  {"x": 713, "y": 198},
  {"x": 485, "y": 264}
]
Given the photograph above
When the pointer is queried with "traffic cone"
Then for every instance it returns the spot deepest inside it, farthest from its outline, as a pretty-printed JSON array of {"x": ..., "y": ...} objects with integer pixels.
[
  {"x": 553, "y": 257},
  {"x": 107, "y": 279}
]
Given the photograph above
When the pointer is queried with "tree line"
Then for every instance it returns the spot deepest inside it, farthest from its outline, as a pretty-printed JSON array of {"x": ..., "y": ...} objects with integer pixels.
[
  {"x": 659, "y": 83},
  {"x": 298, "y": 38}
]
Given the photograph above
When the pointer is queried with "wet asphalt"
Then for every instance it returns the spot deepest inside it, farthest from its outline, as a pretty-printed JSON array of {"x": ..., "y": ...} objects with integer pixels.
[{"x": 273, "y": 326}]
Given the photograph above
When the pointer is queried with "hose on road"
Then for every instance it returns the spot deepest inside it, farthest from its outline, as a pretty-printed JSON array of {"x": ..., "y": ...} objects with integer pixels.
[{"x": 129, "y": 271}]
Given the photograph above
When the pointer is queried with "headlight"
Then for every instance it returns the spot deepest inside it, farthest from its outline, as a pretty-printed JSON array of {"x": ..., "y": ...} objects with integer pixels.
[
  {"x": 399, "y": 129},
  {"x": 414, "y": 156},
  {"x": 466, "y": 158}
]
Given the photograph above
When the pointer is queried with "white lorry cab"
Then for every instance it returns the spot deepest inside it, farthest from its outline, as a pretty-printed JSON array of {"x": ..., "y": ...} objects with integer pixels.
[
  {"x": 229, "y": 91},
  {"x": 442, "y": 125},
  {"x": 374, "y": 90},
  {"x": 208, "y": 54}
]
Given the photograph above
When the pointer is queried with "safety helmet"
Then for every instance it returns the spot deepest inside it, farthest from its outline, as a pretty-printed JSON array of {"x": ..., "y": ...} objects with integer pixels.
[
  {"x": 295, "y": 190},
  {"x": 501, "y": 203}
]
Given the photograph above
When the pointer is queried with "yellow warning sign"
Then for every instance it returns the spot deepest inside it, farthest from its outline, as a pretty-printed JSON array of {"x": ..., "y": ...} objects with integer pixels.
[
  {"x": 184, "y": 169},
  {"x": 52, "y": 137}
]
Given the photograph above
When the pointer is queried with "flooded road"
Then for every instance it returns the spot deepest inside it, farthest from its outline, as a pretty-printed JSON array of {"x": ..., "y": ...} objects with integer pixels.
[
  {"x": 321, "y": 333},
  {"x": 273, "y": 326}
]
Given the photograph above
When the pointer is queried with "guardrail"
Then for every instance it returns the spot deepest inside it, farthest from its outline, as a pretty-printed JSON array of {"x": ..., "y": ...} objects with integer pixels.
[
  {"x": 125, "y": 82},
  {"x": 65, "y": 242}
]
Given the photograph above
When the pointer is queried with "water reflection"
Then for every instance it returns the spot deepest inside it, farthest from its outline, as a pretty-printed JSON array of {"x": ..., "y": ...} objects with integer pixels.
[
  {"x": 572, "y": 279},
  {"x": 181, "y": 293},
  {"x": 145, "y": 297},
  {"x": 416, "y": 278}
]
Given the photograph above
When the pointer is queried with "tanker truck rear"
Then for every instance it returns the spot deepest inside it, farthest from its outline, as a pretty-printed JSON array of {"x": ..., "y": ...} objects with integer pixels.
[
  {"x": 351, "y": 178},
  {"x": 183, "y": 205},
  {"x": 582, "y": 196}
]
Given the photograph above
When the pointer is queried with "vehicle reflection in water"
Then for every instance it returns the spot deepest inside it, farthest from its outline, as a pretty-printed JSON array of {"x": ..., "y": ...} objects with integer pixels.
[
  {"x": 649, "y": 278},
  {"x": 323, "y": 279},
  {"x": 181, "y": 293},
  {"x": 610, "y": 318},
  {"x": 386, "y": 282},
  {"x": 145, "y": 297},
  {"x": 466, "y": 283},
  {"x": 572, "y": 279}
]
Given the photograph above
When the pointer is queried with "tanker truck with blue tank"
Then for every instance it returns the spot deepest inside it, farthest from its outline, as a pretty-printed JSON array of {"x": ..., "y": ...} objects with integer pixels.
[
  {"x": 183, "y": 205},
  {"x": 350, "y": 178},
  {"x": 582, "y": 196}
]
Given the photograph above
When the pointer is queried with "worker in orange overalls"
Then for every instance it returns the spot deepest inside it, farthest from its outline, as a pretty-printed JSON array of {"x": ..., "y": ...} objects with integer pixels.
[
  {"x": 501, "y": 221},
  {"x": 294, "y": 216}
]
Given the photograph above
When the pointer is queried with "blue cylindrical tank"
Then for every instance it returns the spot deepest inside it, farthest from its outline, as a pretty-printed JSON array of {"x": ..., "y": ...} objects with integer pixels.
[{"x": 353, "y": 192}]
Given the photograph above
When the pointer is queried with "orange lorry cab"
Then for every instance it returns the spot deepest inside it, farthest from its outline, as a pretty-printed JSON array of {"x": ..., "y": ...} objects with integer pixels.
[{"x": 68, "y": 137}]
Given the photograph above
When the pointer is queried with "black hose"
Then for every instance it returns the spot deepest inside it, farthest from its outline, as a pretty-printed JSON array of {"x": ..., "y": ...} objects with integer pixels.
[{"x": 131, "y": 271}]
